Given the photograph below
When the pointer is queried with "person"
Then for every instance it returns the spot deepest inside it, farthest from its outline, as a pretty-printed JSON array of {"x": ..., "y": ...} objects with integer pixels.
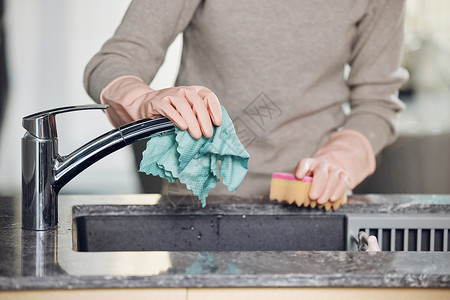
[{"x": 279, "y": 68}]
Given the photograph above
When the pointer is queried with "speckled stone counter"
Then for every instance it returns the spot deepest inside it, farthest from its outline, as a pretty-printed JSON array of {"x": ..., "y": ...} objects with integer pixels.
[{"x": 47, "y": 260}]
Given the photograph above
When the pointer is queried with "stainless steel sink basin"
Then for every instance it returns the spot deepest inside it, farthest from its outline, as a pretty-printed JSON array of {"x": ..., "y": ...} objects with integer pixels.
[{"x": 215, "y": 228}]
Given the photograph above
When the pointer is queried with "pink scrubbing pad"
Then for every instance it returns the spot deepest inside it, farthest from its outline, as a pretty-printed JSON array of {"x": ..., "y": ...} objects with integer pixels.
[
  {"x": 290, "y": 176},
  {"x": 286, "y": 187}
]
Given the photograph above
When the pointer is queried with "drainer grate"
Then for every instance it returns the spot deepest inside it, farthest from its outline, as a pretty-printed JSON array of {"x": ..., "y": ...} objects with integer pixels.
[{"x": 402, "y": 232}]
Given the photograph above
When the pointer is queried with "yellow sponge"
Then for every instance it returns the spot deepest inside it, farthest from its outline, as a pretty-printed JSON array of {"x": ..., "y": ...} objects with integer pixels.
[{"x": 285, "y": 187}]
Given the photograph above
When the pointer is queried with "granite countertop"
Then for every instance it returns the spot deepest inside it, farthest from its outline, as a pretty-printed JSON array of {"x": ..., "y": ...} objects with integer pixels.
[{"x": 47, "y": 260}]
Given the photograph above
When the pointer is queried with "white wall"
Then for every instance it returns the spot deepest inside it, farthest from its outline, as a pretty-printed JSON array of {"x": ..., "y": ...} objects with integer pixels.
[{"x": 49, "y": 43}]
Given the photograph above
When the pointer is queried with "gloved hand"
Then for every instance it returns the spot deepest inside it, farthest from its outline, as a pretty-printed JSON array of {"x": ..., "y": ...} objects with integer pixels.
[
  {"x": 188, "y": 107},
  {"x": 341, "y": 164}
]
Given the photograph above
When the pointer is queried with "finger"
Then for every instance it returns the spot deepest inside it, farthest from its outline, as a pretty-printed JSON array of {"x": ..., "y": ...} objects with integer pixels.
[
  {"x": 200, "y": 110},
  {"x": 303, "y": 167},
  {"x": 333, "y": 179},
  {"x": 183, "y": 107},
  {"x": 319, "y": 182},
  {"x": 341, "y": 188},
  {"x": 213, "y": 105},
  {"x": 173, "y": 115}
]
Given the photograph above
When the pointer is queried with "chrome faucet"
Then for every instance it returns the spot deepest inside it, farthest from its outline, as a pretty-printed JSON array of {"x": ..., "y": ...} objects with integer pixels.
[{"x": 45, "y": 171}]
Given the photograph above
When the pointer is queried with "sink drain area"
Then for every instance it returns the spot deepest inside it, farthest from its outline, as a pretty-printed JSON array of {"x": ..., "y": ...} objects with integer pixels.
[{"x": 402, "y": 232}]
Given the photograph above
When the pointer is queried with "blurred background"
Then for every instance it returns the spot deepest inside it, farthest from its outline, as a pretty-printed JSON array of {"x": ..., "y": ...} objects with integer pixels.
[{"x": 45, "y": 46}]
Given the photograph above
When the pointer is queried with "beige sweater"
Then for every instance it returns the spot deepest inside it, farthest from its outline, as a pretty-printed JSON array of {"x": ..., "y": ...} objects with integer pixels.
[{"x": 276, "y": 66}]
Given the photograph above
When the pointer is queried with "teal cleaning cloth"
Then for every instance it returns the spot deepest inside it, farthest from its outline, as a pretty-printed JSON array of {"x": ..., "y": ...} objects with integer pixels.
[{"x": 195, "y": 162}]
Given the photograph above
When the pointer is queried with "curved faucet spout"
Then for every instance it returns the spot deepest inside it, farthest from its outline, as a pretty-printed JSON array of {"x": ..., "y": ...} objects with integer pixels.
[
  {"x": 45, "y": 172},
  {"x": 67, "y": 167}
]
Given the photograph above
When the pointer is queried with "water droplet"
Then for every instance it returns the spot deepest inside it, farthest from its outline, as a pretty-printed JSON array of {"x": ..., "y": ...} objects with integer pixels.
[
  {"x": 192, "y": 228},
  {"x": 244, "y": 216},
  {"x": 199, "y": 236}
]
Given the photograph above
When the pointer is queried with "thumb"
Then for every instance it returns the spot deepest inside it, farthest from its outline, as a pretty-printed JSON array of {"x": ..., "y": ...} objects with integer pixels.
[{"x": 303, "y": 167}]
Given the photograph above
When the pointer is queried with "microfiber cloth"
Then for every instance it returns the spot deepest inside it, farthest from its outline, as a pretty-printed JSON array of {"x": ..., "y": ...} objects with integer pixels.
[{"x": 195, "y": 162}]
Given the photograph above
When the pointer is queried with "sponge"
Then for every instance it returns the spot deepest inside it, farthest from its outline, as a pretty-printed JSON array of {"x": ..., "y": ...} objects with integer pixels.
[{"x": 285, "y": 187}]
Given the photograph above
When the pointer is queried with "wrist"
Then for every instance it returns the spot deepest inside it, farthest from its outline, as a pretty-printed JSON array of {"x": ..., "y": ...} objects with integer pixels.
[
  {"x": 124, "y": 89},
  {"x": 351, "y": 151},
  {"x": 123, "y": 95}
]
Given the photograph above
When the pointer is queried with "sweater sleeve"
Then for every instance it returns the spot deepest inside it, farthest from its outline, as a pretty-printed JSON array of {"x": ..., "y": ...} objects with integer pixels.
[
  {"x": 376, "y": 75},
  {"x": 139, "y": 45}
]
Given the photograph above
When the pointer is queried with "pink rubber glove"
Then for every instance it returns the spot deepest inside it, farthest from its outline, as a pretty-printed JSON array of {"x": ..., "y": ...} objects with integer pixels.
[
  {"x": 188, "y": 107},
  {"x": 341, "y": 164}
]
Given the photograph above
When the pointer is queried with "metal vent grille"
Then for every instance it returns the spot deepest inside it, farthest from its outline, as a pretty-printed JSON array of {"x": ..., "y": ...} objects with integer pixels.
[{"x": 402, "y": 232}]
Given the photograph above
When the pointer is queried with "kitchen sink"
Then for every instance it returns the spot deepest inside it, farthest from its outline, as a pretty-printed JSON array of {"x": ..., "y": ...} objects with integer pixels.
[
  {"x": 215, "y": 228},
  {"x": 250, "y": 227}
]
